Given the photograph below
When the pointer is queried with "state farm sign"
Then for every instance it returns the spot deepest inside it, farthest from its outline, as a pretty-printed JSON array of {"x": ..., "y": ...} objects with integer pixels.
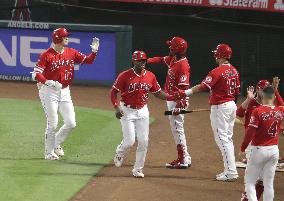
[{"x": 262, "y": 5}]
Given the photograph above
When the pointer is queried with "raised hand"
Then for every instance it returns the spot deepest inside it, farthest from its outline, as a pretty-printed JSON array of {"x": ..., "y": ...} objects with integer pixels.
[
  {"x": 275, "y": 82},
  {"x": 250, "y": 92},
  {"x": 95, "y": 44}
]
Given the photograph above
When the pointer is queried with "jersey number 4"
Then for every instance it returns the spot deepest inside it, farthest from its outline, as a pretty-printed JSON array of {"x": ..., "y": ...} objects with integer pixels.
[{"x": 273, "y": 129}]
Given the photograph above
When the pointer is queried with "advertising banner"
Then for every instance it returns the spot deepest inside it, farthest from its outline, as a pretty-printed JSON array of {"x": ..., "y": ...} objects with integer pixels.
[
  {"x": 20, "y": 49},
  {"x": 261, "y": 5}
]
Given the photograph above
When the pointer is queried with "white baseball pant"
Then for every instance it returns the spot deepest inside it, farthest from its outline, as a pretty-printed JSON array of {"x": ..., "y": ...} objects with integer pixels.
[
  {"x": 52, "y": 102},
  {"x": 177, "y": 128},
  {"x": 134, "y": 123},
  {"x": 222, "y": 122},
  {"x": 263, "y": 159}
]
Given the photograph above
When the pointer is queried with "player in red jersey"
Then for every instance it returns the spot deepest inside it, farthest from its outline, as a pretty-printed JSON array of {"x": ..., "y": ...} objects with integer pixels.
[
  {"x": 223, "y": 83},
  {"x": 54, "y": 72},
  {"x": 178, "y": 77},
  {"x": 134, "y": 86},
  {"x": 263, "y": 132},
  {"x": 245, "y": 111}
]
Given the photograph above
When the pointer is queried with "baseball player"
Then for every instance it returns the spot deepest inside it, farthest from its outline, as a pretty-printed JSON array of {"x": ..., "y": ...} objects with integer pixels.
[
  {"x": 54, "y": 73},
  {"x": 177, "y": 77},
  {"x": 245, "y": 111},
  {"x": 223, "y": 83},
  {"x": 262, "y": 132},
  {"x": 134, "y": 86}
]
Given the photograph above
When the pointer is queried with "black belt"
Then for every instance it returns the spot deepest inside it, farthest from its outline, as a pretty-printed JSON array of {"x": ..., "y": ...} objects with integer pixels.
[{"x": 132, "y": 107}]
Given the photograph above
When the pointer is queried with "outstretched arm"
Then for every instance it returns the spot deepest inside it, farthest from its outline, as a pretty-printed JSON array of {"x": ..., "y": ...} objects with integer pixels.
[
  {"x": 161, "y": 95},
  {"x": 155, "y": 60},
  {"x": 196, "y": 89},
  {"x": 84, "y": 59}
]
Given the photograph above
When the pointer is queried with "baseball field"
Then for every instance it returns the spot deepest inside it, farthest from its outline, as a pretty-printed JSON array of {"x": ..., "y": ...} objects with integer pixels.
[{"x": 86, "y": 171}]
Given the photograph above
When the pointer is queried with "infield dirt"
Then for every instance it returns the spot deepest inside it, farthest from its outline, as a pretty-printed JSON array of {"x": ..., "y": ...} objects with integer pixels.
[{"x": 160, "y": 184}]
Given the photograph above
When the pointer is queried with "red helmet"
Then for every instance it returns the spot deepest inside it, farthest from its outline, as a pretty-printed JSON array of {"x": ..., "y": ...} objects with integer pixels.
[
  {"x": 177, "y": 45},
  {"x": 223, "y": 51},
  {"x": 262, "y": 84},
  {"x": 139, "y": 56},
  {"x": 58, "y": 34}
]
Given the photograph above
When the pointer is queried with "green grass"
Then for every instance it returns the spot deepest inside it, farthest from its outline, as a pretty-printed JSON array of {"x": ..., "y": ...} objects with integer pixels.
[{"x": 25, "y": 176}]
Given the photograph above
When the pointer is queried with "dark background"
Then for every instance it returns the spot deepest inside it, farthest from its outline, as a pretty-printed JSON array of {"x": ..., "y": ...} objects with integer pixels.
[{"x": 257, "y": 38}]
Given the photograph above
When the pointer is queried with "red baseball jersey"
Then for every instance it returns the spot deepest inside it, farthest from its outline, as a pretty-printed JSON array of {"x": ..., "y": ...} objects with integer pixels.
[
  {"x": 224, "y": 84},
  {"x": 246, "y": 113},
  {"x": 264, "y": 126},
  {"x": 60, "y": 66},
  {"x": 135, "y": 88},
  {"x": 178, "y": 72}
]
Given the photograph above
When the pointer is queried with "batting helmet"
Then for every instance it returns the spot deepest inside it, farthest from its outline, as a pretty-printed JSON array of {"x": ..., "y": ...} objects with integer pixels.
[
  {"x": 223, "y": 51},
  {"x": 262, "y": 84},
  {"x": 177, "y": 45},
  {"x": 139, "y": 56},
  {"x": 58, "y": 34}
]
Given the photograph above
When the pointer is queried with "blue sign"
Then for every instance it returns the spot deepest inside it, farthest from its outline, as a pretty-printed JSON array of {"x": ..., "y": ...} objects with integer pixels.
[{"x": 20, "y": 49}]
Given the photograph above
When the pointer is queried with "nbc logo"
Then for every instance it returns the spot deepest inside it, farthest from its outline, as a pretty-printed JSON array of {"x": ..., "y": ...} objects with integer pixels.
[
  {"x": 216, "y": 2},
  {"x": 279, "y": 5}
]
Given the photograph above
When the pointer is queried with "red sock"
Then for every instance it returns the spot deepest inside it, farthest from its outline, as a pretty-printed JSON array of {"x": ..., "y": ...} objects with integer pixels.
[
  {"x": 259, "y": 189},
  {"x": 244, "y": 196}
]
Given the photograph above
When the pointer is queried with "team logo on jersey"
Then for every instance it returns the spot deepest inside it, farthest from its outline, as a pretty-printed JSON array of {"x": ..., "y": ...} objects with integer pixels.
[
  {"x": 208, "y": 79},
  {"x": 183, "y": 78},
  {"x": 138, "y": 86},
  {"x": 62, "y": 62}
]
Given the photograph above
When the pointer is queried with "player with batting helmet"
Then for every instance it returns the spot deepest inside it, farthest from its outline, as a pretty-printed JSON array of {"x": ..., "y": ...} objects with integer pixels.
[
  {"x": 134, "y": 85},
  {"x": 54, "y": 73},
  {"x": 178, "y": 77},
  {"x": 224, "y": 84}
]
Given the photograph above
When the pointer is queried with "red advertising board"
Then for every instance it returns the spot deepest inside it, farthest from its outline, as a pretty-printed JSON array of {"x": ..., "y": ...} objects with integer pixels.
[{"x": 261, "y": 5}]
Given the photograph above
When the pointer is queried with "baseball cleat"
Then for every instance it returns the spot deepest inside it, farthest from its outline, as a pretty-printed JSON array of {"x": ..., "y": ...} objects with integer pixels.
[
  {"x": 59, "y": 151},
  {"x": 176, "y": 164},
  {"x": 221, "y": 174},
  {"x": 52, "y": 156},
  {"x": 118, "y": 160},
  {"x": 228, "y": 177},
  {"x": 137, "y": 173}
]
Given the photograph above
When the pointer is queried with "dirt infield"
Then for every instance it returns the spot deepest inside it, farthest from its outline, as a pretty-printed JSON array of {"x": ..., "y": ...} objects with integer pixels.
[{"x": 159, "y": 184}]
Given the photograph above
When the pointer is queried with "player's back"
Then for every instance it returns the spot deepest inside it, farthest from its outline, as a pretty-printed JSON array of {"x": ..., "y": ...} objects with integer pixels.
[
  {"x": 226, "y": 85},
  {"x": 267, "y": 120}
]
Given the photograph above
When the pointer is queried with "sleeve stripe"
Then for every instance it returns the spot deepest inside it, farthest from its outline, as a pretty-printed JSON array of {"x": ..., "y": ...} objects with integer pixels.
[
  {"x": 38, "y": 70},
  {"x": 183, "y": 84},
  {"x": 116, "y": 88},
  {"x": 207, "y": 85},
  {"x": 252, "y": 125},
  {"x": 37, "y": 66},
  {"x": 156, "y": 91},
  {"x": 83, "y": 59},
  {"x": 166, "y": 62}
]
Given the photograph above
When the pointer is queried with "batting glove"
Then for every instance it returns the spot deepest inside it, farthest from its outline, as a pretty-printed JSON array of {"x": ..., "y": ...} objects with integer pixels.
[
  {"x": 176, "y": 111},
  {"x": 50, "y": 83},
  {"x": 95, "y": 45},
  {"x": 182, "y": 103},
  {"x": 53, "y": 84}
]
